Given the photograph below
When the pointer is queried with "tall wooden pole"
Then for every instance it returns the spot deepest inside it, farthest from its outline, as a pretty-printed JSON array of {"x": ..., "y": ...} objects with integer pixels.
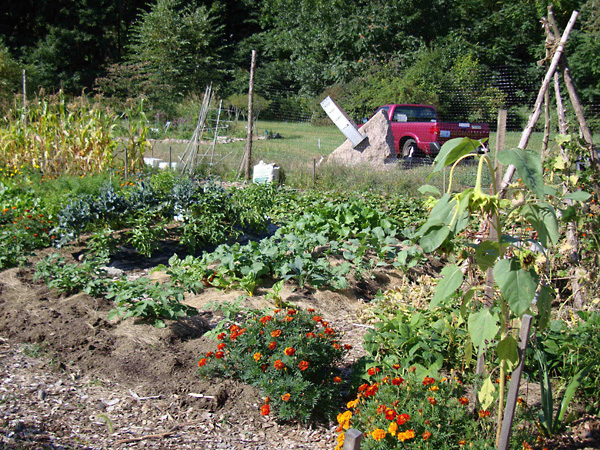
[
  {"x": 248, "y": 152},
  {"x": 535, "y": 115}
]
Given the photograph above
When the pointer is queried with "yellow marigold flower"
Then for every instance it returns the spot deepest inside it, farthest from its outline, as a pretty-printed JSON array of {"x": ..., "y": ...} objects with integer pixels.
[
  {"x": 352, "y": 403},
  {"x": 434, "y": 388},
  {"x": 393, "y": 428},
  {"x": 408, "y": 434},
  {"x": 257, "y": 356},
  {"x": 341, "y": 438},
  {"x": 378, "y": 434},
  {"x": 344, "y": 419},
  {"x": 443, "y": 379}
]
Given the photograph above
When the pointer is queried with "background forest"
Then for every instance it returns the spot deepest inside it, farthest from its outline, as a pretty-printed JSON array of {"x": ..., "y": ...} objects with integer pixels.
[{"x": 365, "y": 53}]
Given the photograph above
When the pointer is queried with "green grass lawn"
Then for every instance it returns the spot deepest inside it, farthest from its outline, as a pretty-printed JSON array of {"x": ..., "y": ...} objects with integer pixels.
[{"x": 302, "y": 143}]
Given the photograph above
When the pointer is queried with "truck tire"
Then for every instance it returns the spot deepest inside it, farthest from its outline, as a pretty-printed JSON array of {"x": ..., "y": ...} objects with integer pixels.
[{"x": 409, "y": 149}]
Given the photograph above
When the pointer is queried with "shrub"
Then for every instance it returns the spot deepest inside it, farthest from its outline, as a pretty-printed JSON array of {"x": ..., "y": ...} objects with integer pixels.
[
  {"x": 291, "y": 355},
  {"x": 398, "y": 409}
]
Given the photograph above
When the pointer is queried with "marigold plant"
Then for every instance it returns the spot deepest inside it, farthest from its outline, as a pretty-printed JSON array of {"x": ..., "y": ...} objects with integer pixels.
[
  {"x": 397, "y": 409},
  {"x": 291, "y": 355}
]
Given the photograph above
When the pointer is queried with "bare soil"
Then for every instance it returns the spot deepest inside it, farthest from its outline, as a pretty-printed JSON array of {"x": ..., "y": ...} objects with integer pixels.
[{"x": 70, "y": 379}]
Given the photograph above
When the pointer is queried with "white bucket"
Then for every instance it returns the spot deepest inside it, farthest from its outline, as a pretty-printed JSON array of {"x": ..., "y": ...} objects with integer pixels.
[
  {"x": 165, "y": 165},
  {"x": 152, "y": 161},
  {"x": 265, "y": 173}
]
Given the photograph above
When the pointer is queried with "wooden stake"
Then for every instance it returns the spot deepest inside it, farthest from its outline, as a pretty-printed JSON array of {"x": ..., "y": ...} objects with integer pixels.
[
  {"x": 248, "y": 151},
  {"x": 535, "y": 115},
  {"x": 352, "y": 439},
  {"x": 515, "y": 381}
]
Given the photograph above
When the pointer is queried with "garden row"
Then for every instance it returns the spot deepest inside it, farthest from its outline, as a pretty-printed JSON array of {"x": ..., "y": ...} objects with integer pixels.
[{"x": 415, "y": 388}]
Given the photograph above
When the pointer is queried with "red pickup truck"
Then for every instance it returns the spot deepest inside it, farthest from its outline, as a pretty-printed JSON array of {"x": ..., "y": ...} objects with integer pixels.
[{"x": 417, "y": 130}]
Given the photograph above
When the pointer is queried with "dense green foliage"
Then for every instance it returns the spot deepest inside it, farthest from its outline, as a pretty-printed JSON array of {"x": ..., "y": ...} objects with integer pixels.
[
  {"x": 386, "y": 51},
  {"x": 290, "y": 355}
]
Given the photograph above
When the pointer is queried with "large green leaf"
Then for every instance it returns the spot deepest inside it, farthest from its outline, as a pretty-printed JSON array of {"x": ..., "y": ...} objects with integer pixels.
[
  {"x": 517, "y": 286},
  {"x": 508, "y": 350},
  {"x": 542, "y": 217},
  {"x": 487, "y": 253},
  {"x": 452, "y": 278},
  {"x": 529, "y": 168},
  {"x": 434, "y": 237},
  {"x": 578, "y": 196},
  {"x": 483, "y": 327},
  {"x": 544, "y": 306},
  {"x": 453, "y": 150}
]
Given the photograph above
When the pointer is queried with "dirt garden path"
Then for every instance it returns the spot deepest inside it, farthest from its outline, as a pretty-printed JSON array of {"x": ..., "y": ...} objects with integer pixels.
[{"x": 69, "y": 379}]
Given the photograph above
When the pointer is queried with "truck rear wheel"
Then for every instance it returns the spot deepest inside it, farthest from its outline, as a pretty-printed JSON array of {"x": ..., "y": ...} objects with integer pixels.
[{"x": 409, "y": 148}]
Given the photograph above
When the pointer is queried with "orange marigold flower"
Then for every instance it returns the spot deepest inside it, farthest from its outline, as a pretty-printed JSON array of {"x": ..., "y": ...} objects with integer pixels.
[
  {"x": 291, "y": 312},
  {"x": 317, "y": 318},
  {"x": 362, "y": 387},
  {"x": 372, "y": 390},
  {"x": 276, "y": 333},
  {"x": 265, "y": 410},
  {"x": 279, "y": 364},
  {"x": 303, "y": 365},
  {"x": 209, "y": 354},
  {"x": 266, "y": 319},
  {"x": 378, "y": 434},
  {"x": 287, "y": 319},
  {"x": 402, "y": 419},
  {"x": 290, "y": 351},
  {"x": 426, "y": 435},
  {"x": 381, "y": 409},
  {"x": 347, "y": 347},
  {"x": 329, "y": 331},
  {"x": 275, "y": 311},
  {"x": 390, "y": 414},
  {"x": 432, "y": 400},
  {"x": 221, "y": 346},
  {"x": 521, "y": 401},
  {"x": 396, "y": 366},
  {"x": 272, "y": 345},
  {"x": 336, "y": 346},
  {"x": 311, "y": 335},
  {"x": 463, "y": 400},
  {"x": 264, "y": 367},
  {"x": 434, "y": 388},
  {"x": 219, "y": 355},
  {"x": 337, "y": 380},
  {"x": 257, "y": 356},
  {"x": 482, "y": 413},
  {"x": 202, "y": 362},
  {"x": 285, "y": 397},
  {"x": 462, "y": 442},
  {"x": 397, "y": 381},
  {"x": 373, "y": 370},
  {"x": 428, "y": 380},
  {"x": 526, "y": 446},
  {"x": 311, "y": 310}
]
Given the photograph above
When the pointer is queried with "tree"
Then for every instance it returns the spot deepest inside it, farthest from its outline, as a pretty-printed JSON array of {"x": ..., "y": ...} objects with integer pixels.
[
  {"x": 176, "y": 49},
  {"x": 9, "y": 77}
]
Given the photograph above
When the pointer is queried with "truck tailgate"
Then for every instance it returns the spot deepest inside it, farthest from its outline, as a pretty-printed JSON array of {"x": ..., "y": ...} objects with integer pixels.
[{"x": 450, "y": 130}]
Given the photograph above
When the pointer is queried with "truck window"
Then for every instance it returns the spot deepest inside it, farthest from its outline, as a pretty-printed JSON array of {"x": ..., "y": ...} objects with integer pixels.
[
  {"x": 414, "y": 114},
  {"x": 386, "y": 109}
]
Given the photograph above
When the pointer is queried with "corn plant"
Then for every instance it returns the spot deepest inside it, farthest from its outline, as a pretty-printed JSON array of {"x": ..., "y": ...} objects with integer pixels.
[{"x": 58, "y": 137}]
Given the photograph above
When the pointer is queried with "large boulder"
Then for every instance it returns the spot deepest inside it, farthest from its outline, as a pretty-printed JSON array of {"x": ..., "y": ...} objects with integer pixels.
[{"x": 377, "y": 150}]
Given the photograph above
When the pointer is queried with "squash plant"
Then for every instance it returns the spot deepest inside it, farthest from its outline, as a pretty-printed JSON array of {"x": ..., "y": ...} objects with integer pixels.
[{"x": 513, "y": 257}]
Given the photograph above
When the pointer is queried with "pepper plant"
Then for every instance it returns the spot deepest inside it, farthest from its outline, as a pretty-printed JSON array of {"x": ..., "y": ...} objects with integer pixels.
[{"x": 501, "y": 250}]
